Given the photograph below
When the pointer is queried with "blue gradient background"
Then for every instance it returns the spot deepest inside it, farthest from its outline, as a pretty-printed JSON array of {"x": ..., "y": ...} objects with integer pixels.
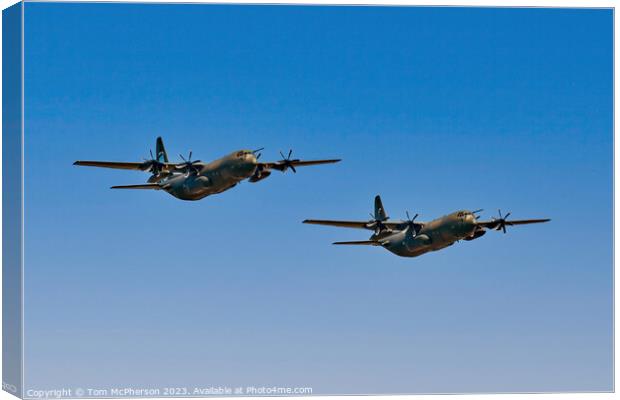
[{"x": 436, "y": 109}]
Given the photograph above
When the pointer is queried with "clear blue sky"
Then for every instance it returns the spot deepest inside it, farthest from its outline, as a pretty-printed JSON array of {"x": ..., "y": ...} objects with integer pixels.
[{"x": 436, "y": 109}]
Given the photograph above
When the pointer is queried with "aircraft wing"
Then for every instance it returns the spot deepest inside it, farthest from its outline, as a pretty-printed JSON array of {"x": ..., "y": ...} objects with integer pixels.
[
  {"x": 360, "y": 224},
  {"x": 494, "y": 224},
  {"x": 137, "y": 166},
  {"x": 285, "y": 164},
  {"x": 342, "y": 224}
]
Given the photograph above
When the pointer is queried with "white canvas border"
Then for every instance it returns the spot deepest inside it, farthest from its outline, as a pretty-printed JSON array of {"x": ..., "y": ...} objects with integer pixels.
[{"x": 474, "y": 3}]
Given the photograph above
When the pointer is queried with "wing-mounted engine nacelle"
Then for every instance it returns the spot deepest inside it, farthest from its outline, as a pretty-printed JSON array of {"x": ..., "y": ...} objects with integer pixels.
[
  {"x": 203, "y": 180},
  {"x": 423, "y": 240},
  {"x": 476, "y": 235},
  {"x": 157, "y": 177},
  {"x": 259, "y": 175},
  {"x": 418, "y": 242}
]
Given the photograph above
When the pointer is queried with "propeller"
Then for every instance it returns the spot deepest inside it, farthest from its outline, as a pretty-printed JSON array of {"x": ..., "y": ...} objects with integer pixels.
[
  {"x": 375, "y": 224},
  {"x": 476, "y": 212},
  {"x": 153, "y": 165},
  {"x": 258, "y": 151},
  {"x": 189, "y": 164},
  {"x": 411, "y": 223},
  {"x": 501, "y": 221},
  {"x": 287, "y": 162}
]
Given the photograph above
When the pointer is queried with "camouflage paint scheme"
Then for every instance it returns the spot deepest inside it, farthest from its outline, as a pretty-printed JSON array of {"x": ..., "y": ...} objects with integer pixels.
[
  {"x": 411, "y": 239},
  {"x": 195, "y": 180}
]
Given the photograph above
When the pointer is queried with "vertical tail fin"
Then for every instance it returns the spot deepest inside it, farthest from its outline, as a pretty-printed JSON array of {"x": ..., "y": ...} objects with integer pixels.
[
  {"x": 380, "y": 214},
  {"x": 160, "y": 151}
]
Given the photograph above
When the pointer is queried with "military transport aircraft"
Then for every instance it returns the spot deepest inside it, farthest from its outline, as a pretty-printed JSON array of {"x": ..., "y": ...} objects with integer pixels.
[
  {"x": 411, "y": 239},
  {"x": 194, "y": 180}
]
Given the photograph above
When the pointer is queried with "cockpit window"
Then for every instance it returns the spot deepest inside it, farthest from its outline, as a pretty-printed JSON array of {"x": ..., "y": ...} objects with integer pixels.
[{"x": 242, "y": 153}]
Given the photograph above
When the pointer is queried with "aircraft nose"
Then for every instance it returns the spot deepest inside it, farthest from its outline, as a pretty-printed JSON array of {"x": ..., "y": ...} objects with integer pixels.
[{"x": 470, "y": 219}]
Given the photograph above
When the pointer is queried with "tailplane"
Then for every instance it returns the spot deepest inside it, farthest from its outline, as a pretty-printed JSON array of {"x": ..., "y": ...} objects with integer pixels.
[
  {"x": 361, "y": 243},
  {"x": 153, "y": 186}
]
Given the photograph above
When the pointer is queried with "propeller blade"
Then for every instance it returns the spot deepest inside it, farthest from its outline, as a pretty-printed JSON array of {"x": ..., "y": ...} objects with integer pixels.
[
  {"x": 287, "y": 162},
  {"x": 409, "y": 217},
  {"x": 501, "y": 221}
]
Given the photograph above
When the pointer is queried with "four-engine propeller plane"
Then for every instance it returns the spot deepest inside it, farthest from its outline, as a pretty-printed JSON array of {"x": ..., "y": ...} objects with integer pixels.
[
  {"x": 411, "y": 238},
  {"x": 194, "y": 180}
]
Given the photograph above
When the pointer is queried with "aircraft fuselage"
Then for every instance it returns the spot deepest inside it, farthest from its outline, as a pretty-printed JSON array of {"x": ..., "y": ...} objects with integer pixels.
[
  {"x": 211, "y": 178},
  {"x": 434, "y": 235}
]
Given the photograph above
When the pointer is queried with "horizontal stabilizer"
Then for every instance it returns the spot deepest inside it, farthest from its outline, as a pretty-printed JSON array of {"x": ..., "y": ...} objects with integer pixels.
[
  {"x": 361, "y": 243},
  {"x": 153, "y": 186}
]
